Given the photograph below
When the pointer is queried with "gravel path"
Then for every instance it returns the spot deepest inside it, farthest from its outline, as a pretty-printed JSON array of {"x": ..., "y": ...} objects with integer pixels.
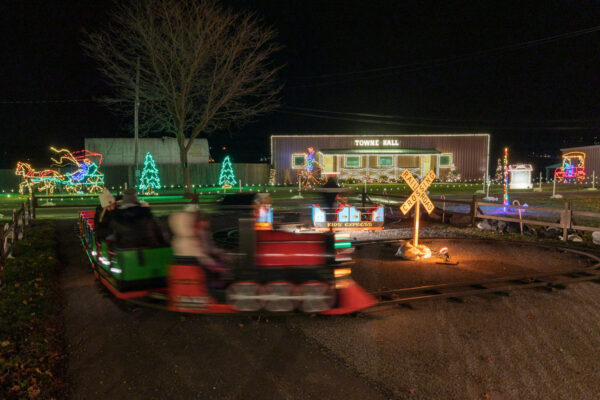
[{"x": 530, "y": 345}]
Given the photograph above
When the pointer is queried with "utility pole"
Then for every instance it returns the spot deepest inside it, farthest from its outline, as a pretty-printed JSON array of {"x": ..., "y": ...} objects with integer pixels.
[{"x": 136, "y": 120}]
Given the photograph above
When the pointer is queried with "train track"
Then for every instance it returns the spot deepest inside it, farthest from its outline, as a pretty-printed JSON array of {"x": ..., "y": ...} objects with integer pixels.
[
  {"x": 552, "y": 280},
  {"x": 549, "y": 281},
  {"x": 501, "y": 286}
]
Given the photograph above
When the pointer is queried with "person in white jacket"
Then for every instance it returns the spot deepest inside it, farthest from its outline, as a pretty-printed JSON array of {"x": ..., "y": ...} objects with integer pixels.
[{"x": 192, "y": 244}]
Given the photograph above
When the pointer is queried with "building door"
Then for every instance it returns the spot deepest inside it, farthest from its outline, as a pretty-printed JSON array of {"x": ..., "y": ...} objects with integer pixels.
[
  {"x": 328, "y": 165},
  {"x": 427, "y": 165}
]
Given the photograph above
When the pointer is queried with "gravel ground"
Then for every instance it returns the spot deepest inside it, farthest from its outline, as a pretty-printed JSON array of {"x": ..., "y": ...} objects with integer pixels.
[
  {"x": 530, "y": 345},
  {"x": 377, "y": 267}
]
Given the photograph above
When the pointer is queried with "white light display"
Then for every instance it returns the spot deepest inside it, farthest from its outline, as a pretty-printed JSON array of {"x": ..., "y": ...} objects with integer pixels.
[{"x": 520, "y": 176}]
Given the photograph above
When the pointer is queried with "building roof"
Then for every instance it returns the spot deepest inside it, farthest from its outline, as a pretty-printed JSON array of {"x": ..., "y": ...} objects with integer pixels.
[
  {"x": 379, "y": 151},
  {"x": 575, "y": 148},
  {"x": 369, "y": 135}
]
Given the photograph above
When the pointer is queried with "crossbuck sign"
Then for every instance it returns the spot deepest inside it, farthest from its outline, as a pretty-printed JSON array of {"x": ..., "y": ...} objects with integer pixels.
[{"x": 418, "y": 196}]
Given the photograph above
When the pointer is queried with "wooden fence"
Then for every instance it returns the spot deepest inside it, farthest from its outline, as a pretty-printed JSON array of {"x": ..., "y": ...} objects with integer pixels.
[
  {"x": 10, "y": 233},
  {"x": 564, "y": 216}
]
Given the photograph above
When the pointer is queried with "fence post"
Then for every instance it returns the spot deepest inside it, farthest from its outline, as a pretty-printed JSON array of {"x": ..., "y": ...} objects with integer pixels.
[
  {"x": 565, "y": 220},
  {"x": 33, "y": 203},
  {"x": 443, "y": 198},
  {"x": 15, "y": 233},
  {"x": 473, "y": 209},
  {"x": 364, "y": 195},
  {"x": 2, "y": 256}
]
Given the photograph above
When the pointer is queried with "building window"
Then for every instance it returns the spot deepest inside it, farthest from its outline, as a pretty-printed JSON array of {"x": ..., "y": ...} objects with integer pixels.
[
  {"x": 446, "y": 160},
  {"x": 387, "y": 161},
  {"x": 352, "y": 162},
  {"x": 298, "y": 160}
]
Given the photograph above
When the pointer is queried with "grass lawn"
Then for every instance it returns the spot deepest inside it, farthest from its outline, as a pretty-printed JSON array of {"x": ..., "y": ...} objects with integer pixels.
[{"x": 580, "y": 199}]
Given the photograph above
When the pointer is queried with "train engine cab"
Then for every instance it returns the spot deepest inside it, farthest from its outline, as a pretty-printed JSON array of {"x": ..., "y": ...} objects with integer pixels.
[{"x": 290, "y": 271}]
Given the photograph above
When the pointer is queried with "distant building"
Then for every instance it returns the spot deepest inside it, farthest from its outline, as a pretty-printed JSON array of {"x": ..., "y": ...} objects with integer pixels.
[
  {"x": 383, "y": 157},
  {"x": 121, "y": 152}
]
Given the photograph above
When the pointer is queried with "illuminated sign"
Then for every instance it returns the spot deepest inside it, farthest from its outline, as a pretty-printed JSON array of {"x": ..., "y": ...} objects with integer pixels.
[
  {"x": 419, "y": 194},
  {"x": 364, "y": 224},
  {"x": 376, "y": 142}
]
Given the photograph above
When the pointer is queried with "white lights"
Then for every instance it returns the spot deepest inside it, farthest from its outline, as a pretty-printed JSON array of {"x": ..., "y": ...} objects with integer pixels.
[{"x": 520, "y": 176}]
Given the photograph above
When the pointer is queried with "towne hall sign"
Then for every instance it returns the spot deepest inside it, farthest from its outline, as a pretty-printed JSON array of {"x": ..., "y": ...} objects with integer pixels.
[
  {"x": 380, "y": 158},
  {"x": 376, "y": 142}
]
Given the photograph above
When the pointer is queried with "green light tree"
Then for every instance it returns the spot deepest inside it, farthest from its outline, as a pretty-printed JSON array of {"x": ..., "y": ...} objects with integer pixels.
[
  {"x": 149, "y": 181},
  {"x": 227, "y": 176}
]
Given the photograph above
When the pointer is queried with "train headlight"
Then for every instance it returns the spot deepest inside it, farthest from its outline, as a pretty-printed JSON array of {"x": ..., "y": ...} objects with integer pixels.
[{"x": 342, "y": 272}]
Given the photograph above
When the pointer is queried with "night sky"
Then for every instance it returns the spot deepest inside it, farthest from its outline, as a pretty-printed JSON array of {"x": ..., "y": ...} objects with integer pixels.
[{"x": 436, "y": 66}]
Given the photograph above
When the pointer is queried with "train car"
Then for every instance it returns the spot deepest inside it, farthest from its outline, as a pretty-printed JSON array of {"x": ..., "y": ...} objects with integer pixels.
[
  {"x": 348, "y": 217},
  {"x": 278, "y": 272}
]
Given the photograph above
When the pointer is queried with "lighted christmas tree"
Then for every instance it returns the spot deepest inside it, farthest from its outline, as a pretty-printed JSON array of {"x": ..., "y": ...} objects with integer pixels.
[
  {"x": 272, "y": 176},
  {"x": 227, "y": 177},
  {"x": 149, "y": 181},
  {"x": 499, "y": 177}
]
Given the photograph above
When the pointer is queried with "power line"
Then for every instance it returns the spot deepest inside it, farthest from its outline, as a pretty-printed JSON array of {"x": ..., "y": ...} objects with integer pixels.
[
  {"x": 433, "y": 125},
  {"x": 413, "y": 118},
  {"x": 47, "y": 101},
  {"x": 411, "y": 67}
]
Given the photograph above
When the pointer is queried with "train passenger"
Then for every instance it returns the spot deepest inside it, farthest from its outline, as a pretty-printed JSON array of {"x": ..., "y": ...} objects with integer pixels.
[
  {"x": 103, "y": 216},
  {"x": 134, "y": 225},
  {"x": 331, "y": 193},
  {"x": 192, "y": 244}
]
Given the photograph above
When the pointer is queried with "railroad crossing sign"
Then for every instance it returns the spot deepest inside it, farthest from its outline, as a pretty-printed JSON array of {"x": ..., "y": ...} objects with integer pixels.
[{"x": 417, "y": 197}]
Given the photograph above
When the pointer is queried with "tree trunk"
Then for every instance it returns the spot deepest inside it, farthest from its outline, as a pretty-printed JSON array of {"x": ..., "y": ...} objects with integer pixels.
[{"x": 186, "y": 170}]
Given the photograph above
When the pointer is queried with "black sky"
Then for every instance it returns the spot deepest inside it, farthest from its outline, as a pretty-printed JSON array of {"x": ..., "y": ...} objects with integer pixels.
[{"x": 498, "y": 92}]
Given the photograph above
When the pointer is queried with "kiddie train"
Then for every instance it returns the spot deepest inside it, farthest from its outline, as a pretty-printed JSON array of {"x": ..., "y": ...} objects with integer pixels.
[{"x": 275, "y": 271}]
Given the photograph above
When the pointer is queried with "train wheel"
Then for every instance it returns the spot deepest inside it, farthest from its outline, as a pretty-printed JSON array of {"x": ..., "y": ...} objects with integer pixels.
[
  {"x": 315, "y": 297},
  {"x": 279, "y": 296},
  {"x": 245, "y": 296}
]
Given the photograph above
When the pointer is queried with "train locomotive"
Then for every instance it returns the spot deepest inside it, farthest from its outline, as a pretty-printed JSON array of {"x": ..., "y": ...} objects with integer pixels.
[{"x": 274, "y": 271}]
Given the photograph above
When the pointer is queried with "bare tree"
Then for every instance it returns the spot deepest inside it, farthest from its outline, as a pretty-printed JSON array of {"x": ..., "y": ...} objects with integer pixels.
[{"x": 202, "y": 67}]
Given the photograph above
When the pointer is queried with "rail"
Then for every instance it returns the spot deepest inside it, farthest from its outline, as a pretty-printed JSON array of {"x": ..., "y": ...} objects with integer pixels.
[
  {"x": 35, "y": 200},
  {"x": 10, "y": 233}
]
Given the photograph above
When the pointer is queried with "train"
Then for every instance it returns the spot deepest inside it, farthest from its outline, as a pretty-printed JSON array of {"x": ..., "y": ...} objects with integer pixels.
[{"x": 274, "y": 271}]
